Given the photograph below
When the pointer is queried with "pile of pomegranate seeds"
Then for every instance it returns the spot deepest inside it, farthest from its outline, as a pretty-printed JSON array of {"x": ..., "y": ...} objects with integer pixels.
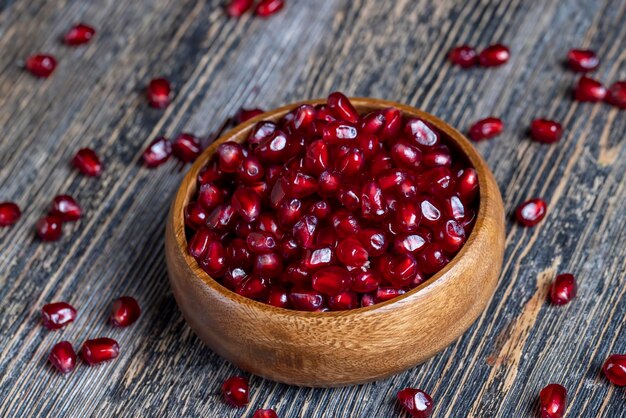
[
  {"x": 615, "y": 369},
  {"x": 553, "y": 401},
  {"x": 465, "y": 56},
  {"x": 10, "y": 213},
  {"x": 264, "y": 8},
  {"x": 531, "y": 212},
  {"x": 486, "y": 129},
  {"x": 79, "y": 35},
  {"x": 331, "y": 210},
  {"x": 236, "y": 392},
  {"x": 582, "y": 60},
  {"x": 563, "y": 289},
  {"x": 416, "y": 402}
]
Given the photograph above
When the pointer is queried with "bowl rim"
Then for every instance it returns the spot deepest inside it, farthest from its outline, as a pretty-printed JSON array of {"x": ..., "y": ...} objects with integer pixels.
[{"x": 461, "y": 142}]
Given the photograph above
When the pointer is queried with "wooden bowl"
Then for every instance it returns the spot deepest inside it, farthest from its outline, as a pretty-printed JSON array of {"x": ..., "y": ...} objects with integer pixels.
[{"x": 347, "y": 347}]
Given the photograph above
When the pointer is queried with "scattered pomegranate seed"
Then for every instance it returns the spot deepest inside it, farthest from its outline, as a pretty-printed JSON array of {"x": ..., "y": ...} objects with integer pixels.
[
  {"x": 563, "y": 289},
  {"x": 617, "y": 94},
  {"x": 99, "y": 350},
  {"x": 235, "y": 391},
  {"x": 186, "y": 147},
  {"x": 265, "y": 413},
  {"x": 546, "y": 131},
  {"x": 589, "y": 90},
  {"x": 494, "y": 55},
  {"x": 125, "y": 311},
  {"x": 57, "y": 315},
  {"x": 66, "y": 208},
  {"x": 10, "y": 213},
  {"x": 158, "y": 152},
  {"x": 158, "y": 92},
  {"x": 416, "y": 402},
  {"x": 553, "y": 401},
  {"x": 63, "y": 357},
  {"x": 87, "y": 162},
  {"x": 41, "y": 65},
  {"x": 245, "y": 114},
  {"x": 531, "y": 212},
  {"x": 266, "y": 8},
  {"x": 79, "y": 34},
  {"x": 236, "y": 8},
  {"x": 486, "y": 128},
  {"x": 49, "y": 228},
  {"x": 464, "y": 56},
  {"x": 582, "y": 60},
  {"x": 615, "y": 369}
]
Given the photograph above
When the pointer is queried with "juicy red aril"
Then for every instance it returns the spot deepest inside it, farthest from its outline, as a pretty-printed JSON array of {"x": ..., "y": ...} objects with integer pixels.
[
  {"x": 351, "y": 163},
  {"x": 563, "y": 289},
  {"x": 340, "y": 106},
  {"x": 253, "y": 287},
  {"x": 328, "y": 184},
  {"x": 195, "y": 215},
  {"x": 408, "y": 216},
  {"x": 416, "y": 402},
  {"x": 373, "y": 204},
  {"x": 406, "y": 155},
  {"x": 209, "y": 196},
  {"x": 57, "y": 315},
  {"x": 158, "y": 93},
  {"x": 267, "y": 8},
  {"x": 421, "y": 132},
  {"x": 124, "y": 311},
  {"x": 553, "y": 401},
  {"x": 237, "y": 254},
  {"x": 268, "y": 265},
  {"x": 245, "y": 114},
  {"x": 247, "y": 203},
  {"x": 432, "y": 259},
  {"x": 99, "y": 350},
  {"x": 262, "y": 130},
  {"x": 79, "y": 34},
  {"x": 393, "y": 123},
  {"x": 289, "y": 212},
  {"x": 437, "y": 156},
  {"x": 265, "y": 413},
  {"x": 320, "y": 209},
  {"x": 233, "y": 278},
  {"x": 582, "y": 60},
  {"x": 373, "y": 240},
  {"x": 402, "y": 270},
  {"x": 273, "y": 149},
  {"x": 304, "y": 231},
  {"x": 63, "y": 357},
  {"x": 237, "y": 8},
  {"x": 300, "y": 185},
  {"x": 230, "y": 155},
  {"x": 431, "y": 214},
  {"x": 343, "y": 301},
  {"x": 373, "y": 123},
  {"x": 589, "y": 90},
  {"x": 494, "y": 55},
  {"x": 49, "y": 228},
  {"x": 304, "y": 298},
  {"x": 409, "y": 244},
  {"x": 214, "y": 261},
  {"x": 317, "y": 258},
  {"x": 66, "y": 208},
  {"x": 387, "y": 293},
  {"x": 367, "y": 300},
  {"x": 235, "y": 391},
  {"x": 250, "y": 170},
  {"x": 261, "y": 242},
  {"x": 364, "y": 280},
  {"x": 10, "y": 213},
  {"x": 186, "y": 147},
  {"x": 331, "y": 280},
  {"x": 351, "y": 253},
  {"x": 278, "y": 296},
  {"x": 486, "y": 128},
  {"x": 317, "y": 157},
  {"x": 464, "y": 56},
  {"x": 349, "y": 198},
  {"x": 303, "y": 117},
  {"x": 158, "y": 152},
  {"x": 450, "y": 235},
  {"x": 467, "y": 185},
  {"x": 87, "y": 162},
  {"x": 615, "y": 369},
  {"x": 546, "y": 131},
  {"x": 617, "y": 94},
  {"x": 199, "y": 242},
  {"x": 531, "y": 212},
  {"x": 41, "y": 65}
]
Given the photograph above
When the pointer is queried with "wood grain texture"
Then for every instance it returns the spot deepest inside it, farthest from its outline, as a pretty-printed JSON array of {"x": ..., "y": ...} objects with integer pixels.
[{"x": 393, "y": 50}]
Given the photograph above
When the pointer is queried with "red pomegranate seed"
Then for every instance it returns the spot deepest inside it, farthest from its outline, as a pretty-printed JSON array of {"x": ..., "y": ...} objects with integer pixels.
[
  {"x": 450, "y": 235},
  {"x": 244, "y": 115},
  {"x": 63, "y": 357},
  {"x": 421, "y": 132},
  {"x": 320, "y": 209},
  {"x": 373, "y": 122},
  {"x": 367, "y": 300},
  {"x": 125, "y": 311},
  {"x": 209, "y": 196},
  {"x": 99, "y": 350},
  {"x": 467, "y": 186},
  {"x": 317, "y": 258},
  {"x": 79, "y": 34},
  {"x": 341, "y": 107},
  {"x": 406, "y": 155},
  {"x": 349, "y": 198},
  {"x": 331, "y": 280},
  {"x": 41, "y": 65},
  {"x": 49, "y": 228},
  {"x": 387, "y": 293},
  {"x": 464, "y": 56},
  {"x": 186, "y": 147},
  {"x": 262, "y": 130},
  {"x": 486, "y": 128},
  {"x": 250, "y": 170},
  {"x": 235, "y": 391},
  {"x": 268, "y": 265},
  {"x": 300, "y": 185},
  {"x": 402, "y": 270},
  {"x": 364, "y": 280},
  {"x": 393, "y": 123},
  {"x": 57, "y": 315},
  {"x": 582, "y": 60},
  {"x": 159, "y": 92},
  {"x": 10, "y": 213},
  {"x": 261, "y": 242},
  {"x": 199, "y": 243},
  {"x": 617, "y": 94},
  {"x": 237, "y": 254},
  {"x": 409, "y": 244},
  {"x": 494, "y": 55},
  {"x": 274, "y": 149},
  {"x": 408, "y": 217},
  {"x": 546, "y": 131},
  {"x": 304, "y": 298},
  {"x": 431, "y": 214},
  {"x": 373, "y": 240},
  {"x": 279, "y": 297},
  {"x": 265, "y": 413},
  {"x": 87, "y": 162},
  {"x": 230, "y": 156},
  {"x": 563, "y": 289},
  {"x": 351, "y": 253},
  {"x": 253, "y": 287},
  {"x": 343, "y": 301},
  {"x": 267, "y": 8},
  {"x": 158, "y": 152},
  {"x": 195, "y": 216},
  {"x": 214, "y": 261},
  {"x": 531, "y": 212},
  {"x": 289, "y": 212},
  {"x": 305, "y": 230},
  {"x": 416, "y": 402},
  {"x": 589, "y": 90},
  {"x": 615, "y": 369},
  {"x": 437, "y": 156},
  {"x": 432, "y": 259},
  {"x": 247, "y": 203},
  {"x": 553, "y": 401},
  {"x": 328, "y": 184},
  {"x": 233, "y": 278},
  {"x": 236, "y": 8},
  {"x": 66, "y": 208}
]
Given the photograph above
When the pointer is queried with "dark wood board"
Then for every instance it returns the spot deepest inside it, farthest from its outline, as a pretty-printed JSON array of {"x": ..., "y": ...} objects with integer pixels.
[{"x": 394, "y": 50}]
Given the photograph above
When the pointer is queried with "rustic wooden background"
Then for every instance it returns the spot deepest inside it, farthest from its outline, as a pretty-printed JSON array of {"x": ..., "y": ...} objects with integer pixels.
[{"x": 389, "y": 49}]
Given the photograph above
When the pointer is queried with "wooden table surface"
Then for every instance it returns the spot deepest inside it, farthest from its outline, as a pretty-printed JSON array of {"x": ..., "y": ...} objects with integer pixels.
[{"x": 389, "y": 49}]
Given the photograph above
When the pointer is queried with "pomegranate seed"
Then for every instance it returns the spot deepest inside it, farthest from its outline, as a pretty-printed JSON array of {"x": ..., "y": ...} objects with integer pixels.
[
  {"x": 10, "y": 213},
  {"x": 318, "y": 258},
  {"x": 563, "y": 289},
  {"x": 349, "y": 198},
  {"x": 408, "y": 216},
  {"x": 265, "y": 413},
  {"x": 41, "y": 65},
  {"x": 450, "y": 235},
  {"x": 87, "y": 162},
  {"x": 209, "y": 196},
  {"x": 230, "y": 156},
  {"x": 364, "y": 280},
  {"x": 195, "y": 216},
  {"x": 431, "y": 214},
  {"x": 617, "y": 94},
  {"x": 467, "y": 186},
  {"x": 306, "y": 299},
  {"x": 236, "y": 392},
  {"x": 402, "y": 270},
  {"x": 546, "y": 131},
  {"x": 464, "y": 56},
  {"x": 409, "y": 244},
  {"x": 300, "y": 185},
  {"x": 437, "y": 156},
  {"x": 393, "y": 123},
  {"x": 244, "y": 115},
  {"x": 99, "y": 350},
  {"x": 49, "y": 228},
  {"x": 268, "y": 265},
  {"x": 553, "y": 401},
  {"x": 387, "y": 293},
  {"x": 494, "y": 55},
  {"x": 421, "y": 132},
  {"x": 66, "y": 208},
  {"x": 267, "y": 8},
  {"x": 340, "y": 107},
  {"x": 589, "y": 90},
  {"x": 351, "y": 253},
  {"x": 328, "y": 184},
  {"x": 250, "y": 170},
  {"x": 317, "y": 158},
  {"x": 582, "y": 60},
  {"x": 159, "y": 92},
  {"x": 236, "y": 8},
  {"x": 343, "y": 301},
  {"x": 158, "y": 152},
  {"x": 273, "y": 149},
  {"x": 253, "y": 287},
  {"x": 247, "y": 203},
  {"x": 486, "y": 128},
  {"x": 125, "y": 311},
  {"x": 406, "y": 155},
  {"x": 373, "y": 123},
  {"x": 331, "y": 280},
  {"x": 237, "y": 254},
  {"x": 233, "y": 278},
  {"x": 289, "y": 212},
  {"x": 615, "y": 369},
  {"x": 416, "y": 402},
  {"x": 320, "y": 209},
  {"x": 380, "y": 163},
  {"x": 304, "y": 231},
  {"x": 373, "y": 204},
  {"x": 367, "y": 300},
  {"x": 57, "y": 315},
  {"x": 373, "y": 240},
  {"x": 279, "y": 297},
  {"x": 63, "y": 357},
  {"x": 262, "y": 130},
  {"x": 338, "y": 132},
  {"x": 186, "y": 148},
  {"x": 432, "y": 259},
  {"x": 214, "y": 261},
  {"x": 199, "y": 243},
  {"x": 261, "y": 242},
  {"x": 531, "y": 212},
  {"x": 345, "y": 224},
  {"x": 79, "y": 34}
]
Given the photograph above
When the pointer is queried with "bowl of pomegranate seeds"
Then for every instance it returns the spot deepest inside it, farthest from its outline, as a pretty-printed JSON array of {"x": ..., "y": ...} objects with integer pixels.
[{"x": 336, "y": 241}]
